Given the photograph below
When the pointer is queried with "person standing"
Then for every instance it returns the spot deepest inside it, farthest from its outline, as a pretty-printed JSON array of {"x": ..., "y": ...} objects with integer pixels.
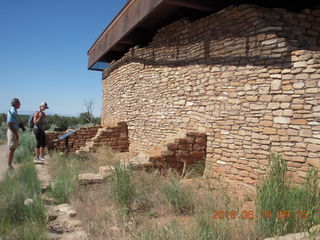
[
  {"x": 13, "y": 122},
  {"x": 38, "y": 129}
]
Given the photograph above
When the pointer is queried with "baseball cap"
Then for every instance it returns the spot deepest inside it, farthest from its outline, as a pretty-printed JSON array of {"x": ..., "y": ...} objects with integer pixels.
[{"x": 44, "y": 104}]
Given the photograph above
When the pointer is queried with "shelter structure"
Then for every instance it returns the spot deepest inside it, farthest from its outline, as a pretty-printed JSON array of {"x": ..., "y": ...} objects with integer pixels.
[{"x": 244, "y": 73}]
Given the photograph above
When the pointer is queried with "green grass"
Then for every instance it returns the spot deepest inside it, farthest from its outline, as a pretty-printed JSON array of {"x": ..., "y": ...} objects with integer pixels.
[
  {"x": 20, "y": 221},
  {"x": 64, "y": 183},
  {"x": 180, "y": 199},
  {"x": 26, "y": 148},
  {"x": 172, "y": 231},
  {"x": 291, "y": 208},
  {"x": 3, "y": 132},
  {"x": 122, "y": 188}
]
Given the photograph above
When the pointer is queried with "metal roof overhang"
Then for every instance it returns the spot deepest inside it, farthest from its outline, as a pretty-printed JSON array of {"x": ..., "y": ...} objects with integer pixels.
[
  {"x": 135, "y": 24},
  {"x": 138, "y": 21}
]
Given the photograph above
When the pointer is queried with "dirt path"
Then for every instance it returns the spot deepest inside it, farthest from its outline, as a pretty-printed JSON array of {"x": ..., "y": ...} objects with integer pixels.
[{"x": 3, "y": 160}]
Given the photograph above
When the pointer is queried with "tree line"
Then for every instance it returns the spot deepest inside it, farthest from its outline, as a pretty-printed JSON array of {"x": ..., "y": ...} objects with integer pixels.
[{"x": 60, "y": 123}]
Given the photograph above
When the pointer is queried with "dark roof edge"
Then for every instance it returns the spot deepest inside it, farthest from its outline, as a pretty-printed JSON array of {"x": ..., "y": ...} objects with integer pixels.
[{"x": 112, "y": 21}]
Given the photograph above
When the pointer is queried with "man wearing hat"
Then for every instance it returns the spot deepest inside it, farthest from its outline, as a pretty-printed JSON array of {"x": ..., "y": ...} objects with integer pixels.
[
  {"x": 39, "y": 126},
  {"x": 13, "y": 122}
]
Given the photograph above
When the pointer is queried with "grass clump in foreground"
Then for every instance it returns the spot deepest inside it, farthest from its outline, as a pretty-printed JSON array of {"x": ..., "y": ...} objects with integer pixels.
[
  {"x": 64, "y": 183},
  {"x": 122, "y": 188},
  {"x": 20, "y": 219},
  {"x": 180, "y": 198},
  {"x": 26, "y": 148},
  {"x": 286, "y": 208}
]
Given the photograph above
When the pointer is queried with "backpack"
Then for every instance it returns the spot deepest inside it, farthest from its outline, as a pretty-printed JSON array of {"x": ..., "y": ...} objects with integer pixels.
[{"x": 30, "y": 121}]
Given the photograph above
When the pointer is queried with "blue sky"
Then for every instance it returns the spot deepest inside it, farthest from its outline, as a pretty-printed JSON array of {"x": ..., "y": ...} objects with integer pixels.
[{"x": 43, "y": 52}]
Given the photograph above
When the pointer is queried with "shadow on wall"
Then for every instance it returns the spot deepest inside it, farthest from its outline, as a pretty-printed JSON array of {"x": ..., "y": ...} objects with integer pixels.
[{"x": 244, "y": 35}]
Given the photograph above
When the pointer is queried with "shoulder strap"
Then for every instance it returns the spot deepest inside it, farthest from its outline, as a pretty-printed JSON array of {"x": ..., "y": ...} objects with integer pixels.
[
  {"x": 13, "y": 116},
  {"x": 19, "y": 120}
]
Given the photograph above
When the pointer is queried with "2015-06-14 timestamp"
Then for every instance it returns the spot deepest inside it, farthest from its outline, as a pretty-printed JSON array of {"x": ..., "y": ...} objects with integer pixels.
[{"x": 250, "y": 214}]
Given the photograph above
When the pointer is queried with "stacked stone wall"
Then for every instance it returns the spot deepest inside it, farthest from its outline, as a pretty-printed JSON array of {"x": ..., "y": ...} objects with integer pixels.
[
  {"x": 115, "y": 137},
  {"x": 183, "y": 151},
  {"x": 75, "y": 142},
  {"x": 248, "y": 77}
]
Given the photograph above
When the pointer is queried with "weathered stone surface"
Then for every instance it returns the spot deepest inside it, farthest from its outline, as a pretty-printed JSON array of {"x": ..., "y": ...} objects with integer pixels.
[
  {"x": 275, "y": 84},
  {"x": 89, "y": 178},
  {"x": 298, "y": 85},
  {"x": 90, "y": 139},
  {"x": 246, "y": 94},
  {"x": 106, "y": 171},
  {"x": 282, "y": 120}
]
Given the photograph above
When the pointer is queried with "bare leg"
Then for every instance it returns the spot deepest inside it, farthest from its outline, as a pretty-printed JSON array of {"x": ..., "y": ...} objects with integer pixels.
[
  {"x": 37, "y": 150},
  {"x": 10, "y": 156},
  {"x": 42, "y": 151}
]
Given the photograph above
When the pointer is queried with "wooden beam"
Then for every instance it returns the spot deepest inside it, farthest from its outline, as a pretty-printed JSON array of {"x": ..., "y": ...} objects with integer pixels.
[
  {"x": 138, "y": 32},
  {"x": 118, "y": 47},
  {"x": 203, "y": 5},
  {"x": 127, "y": 41}
]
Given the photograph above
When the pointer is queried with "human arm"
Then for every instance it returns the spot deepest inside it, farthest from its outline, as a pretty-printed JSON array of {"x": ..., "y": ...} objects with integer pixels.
[{"x": 37, "y": 117}]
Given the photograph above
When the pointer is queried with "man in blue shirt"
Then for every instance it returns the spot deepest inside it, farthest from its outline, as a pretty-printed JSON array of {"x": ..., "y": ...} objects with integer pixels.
[{"x": 13, "y": 121}]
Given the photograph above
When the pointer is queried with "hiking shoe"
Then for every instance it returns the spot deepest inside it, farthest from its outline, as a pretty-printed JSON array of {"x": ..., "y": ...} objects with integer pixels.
[
  {"x": 41, "y": 158},
  {"x": 10, "y": 167}
]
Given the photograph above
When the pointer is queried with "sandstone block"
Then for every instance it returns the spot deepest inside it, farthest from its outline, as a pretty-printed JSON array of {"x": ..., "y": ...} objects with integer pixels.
[
  {"x": 298, "y": 85},
  {"x": 282, "y": 98},
  {"x": 89, "y": 178},
  {"x": 270, "y": 131},
  {"x": 273, "y": 105},
  {"x": 305, "y": 133},
  {"x": 172, "y": 146},
  {"x": 282, "y": 120},
  {"x": 167, "y": 153},
  {"x": 313, "y": 147},
  {"x": 315, "y": 162},
  {"x": 275, "y": 84}
]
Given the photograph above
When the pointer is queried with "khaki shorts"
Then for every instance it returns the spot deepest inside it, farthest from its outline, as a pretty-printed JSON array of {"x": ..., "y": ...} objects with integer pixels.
[{"x": 13, "y": 142}]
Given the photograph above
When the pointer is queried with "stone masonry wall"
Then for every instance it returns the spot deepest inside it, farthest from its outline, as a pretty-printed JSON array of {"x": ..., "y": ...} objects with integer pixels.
[
  {"x": 182, "y": 152},
  {"x": 76, "y": 140},
  {"x": 90, "y": 139},
  {"x": 248, "y": 77}
]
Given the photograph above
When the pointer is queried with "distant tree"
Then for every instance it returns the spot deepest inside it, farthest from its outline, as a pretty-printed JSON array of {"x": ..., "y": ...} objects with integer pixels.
[
  {"x": 85, "y": 118},
  {"x": 88, "y": 114}
]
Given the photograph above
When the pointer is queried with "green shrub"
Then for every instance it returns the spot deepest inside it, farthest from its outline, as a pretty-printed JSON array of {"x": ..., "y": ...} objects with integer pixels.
[
  {"x": 26, "y": 147},
  {"x": 3, "y": 132},
  {"x": 179, "y": 198},
  {"x": 286, "y": 204},
  {"x": 122, "y": 187}
]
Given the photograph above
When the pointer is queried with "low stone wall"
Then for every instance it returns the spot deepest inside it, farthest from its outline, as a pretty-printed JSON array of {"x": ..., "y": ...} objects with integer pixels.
[
  {"x": 91, "y": 139},
  {"x": 189, "y": 150},
  {"x": 115, "y": 137},
  {"x": 76, "y": 140}
]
